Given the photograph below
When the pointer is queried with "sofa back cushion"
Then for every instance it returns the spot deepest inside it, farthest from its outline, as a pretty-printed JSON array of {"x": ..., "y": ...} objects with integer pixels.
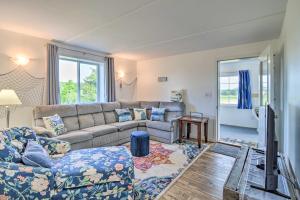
[
  {"x": 68, "y": 113},
  {"x": 173, "y": 109},
  {"x": 148, "y": 105},
  {"x": 109, "y": 112},
  {"x": 90, "y": 115}
]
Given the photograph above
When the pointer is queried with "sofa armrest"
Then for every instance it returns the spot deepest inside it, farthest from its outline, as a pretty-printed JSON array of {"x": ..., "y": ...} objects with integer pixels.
[
  {"x": 19, "y": 181},
  {"x": 41, "y": 131},
  {"x": 175, "y": 120},
  {"x": 54, "y": 146}
]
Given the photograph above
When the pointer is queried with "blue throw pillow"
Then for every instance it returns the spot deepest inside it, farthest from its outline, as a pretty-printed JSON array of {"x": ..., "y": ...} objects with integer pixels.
[
  {"x": 124, "y": 114},
  {"x": 9, "y": 153},
  {"x": 158, "y": 114},
  {"x": 35, "y": 155}
]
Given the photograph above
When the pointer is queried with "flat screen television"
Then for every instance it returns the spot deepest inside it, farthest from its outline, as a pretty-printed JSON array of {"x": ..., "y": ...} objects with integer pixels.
[
  {"x": 271, "y": 155},
  {"x": 271, "y": 180}
]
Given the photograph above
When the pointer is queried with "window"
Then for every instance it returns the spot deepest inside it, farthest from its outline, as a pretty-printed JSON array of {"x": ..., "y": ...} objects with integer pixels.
[
  {"x": 229, "y": 86},
  {"x": 81, "y": 81}
]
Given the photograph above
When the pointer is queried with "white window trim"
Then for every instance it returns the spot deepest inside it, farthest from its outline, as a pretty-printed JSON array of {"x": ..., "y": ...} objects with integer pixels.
[
  {"x": 91, "y": 62},
  {"x": 227, "y": 74}
]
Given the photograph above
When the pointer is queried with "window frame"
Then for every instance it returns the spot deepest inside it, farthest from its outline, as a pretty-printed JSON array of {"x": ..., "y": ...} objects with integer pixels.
[
  {"x": 233, "y": 74},
  {"x": 89, "y": 62}
]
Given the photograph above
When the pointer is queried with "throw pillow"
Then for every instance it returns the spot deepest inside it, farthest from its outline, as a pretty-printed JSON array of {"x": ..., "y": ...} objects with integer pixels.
[
  {"x": 55, "y": 124},
  {"x": 124, "y": 114},
  {"x": 17, "y": 137},
  {"x": 35, "y": 155},
  {"x": 9, "y": 153},
  {"x": 140, "y": 114},
  {"x": 158, "y": 114}
]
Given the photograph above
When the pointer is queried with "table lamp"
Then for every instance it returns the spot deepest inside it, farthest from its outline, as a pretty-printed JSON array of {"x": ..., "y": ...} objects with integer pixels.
[{"x": 8, "y": 98}]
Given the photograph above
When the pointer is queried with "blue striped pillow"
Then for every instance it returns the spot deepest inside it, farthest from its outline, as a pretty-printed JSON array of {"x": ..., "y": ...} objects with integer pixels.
[
  {"x": 158, "y": 114},
  {"x": 124, "y": 115}
]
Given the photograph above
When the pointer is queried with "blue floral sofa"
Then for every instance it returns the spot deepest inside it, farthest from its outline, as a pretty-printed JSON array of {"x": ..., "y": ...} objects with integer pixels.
[{"x": 96, "y": 173}]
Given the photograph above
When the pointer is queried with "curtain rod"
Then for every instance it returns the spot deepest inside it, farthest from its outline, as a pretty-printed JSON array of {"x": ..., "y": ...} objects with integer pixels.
[{"x": 77, "y": 49}]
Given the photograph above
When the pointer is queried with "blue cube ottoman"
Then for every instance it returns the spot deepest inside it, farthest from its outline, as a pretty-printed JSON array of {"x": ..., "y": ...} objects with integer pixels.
[{"x": 139, "y": 145}]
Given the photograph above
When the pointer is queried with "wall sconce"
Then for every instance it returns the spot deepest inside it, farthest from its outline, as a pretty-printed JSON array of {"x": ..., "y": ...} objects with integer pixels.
[
  {"x": 21, "y": 60},
  {"x": 121, "y": 76}
]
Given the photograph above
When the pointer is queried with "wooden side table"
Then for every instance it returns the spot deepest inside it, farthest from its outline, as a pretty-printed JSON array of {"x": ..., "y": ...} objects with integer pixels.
[{"x": 198, "y": 121}]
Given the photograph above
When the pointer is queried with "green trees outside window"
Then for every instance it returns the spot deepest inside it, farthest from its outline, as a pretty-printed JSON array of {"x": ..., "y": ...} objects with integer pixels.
[{"x": 83, "y": 91}]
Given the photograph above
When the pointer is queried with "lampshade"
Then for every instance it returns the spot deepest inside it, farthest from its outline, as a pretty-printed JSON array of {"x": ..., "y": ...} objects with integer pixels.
[{"x": 9, "y": 97}]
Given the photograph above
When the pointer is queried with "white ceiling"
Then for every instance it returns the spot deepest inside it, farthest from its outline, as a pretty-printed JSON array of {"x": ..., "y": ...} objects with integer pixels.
[{"x": 144, "y": 29}]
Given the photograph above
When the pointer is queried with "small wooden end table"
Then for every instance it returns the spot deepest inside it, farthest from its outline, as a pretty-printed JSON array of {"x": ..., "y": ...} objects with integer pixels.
[{"x": 198, "y": 121}]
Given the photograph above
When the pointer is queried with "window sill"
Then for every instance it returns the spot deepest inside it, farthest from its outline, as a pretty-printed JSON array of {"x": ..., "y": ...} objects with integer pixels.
[{"x": 228, "y": 105}]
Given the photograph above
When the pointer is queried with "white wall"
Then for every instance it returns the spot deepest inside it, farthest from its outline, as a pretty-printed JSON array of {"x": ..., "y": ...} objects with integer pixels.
[
  {"x": 195, "y": 72},
  {"x": 229, "y": 114},
  {"x": 13, "y": 44},
  {"x": 128, "y": 90},
  {"x": 290, "y": 39}
]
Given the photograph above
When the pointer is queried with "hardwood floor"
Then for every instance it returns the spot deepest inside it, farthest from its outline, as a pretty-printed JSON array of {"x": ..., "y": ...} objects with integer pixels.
[{"x": 203, "y": 180}]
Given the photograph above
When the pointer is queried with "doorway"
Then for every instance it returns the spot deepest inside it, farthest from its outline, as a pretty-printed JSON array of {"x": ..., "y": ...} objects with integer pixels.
[{"x": 240, "y": 93}]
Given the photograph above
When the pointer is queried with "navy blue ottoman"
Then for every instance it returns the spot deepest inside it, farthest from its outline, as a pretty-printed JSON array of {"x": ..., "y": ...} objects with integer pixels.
[{"x": 139, "y": 145}]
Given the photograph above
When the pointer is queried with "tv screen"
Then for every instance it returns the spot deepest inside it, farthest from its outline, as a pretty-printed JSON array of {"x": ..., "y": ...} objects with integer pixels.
[{"x": 271, "y": 181}]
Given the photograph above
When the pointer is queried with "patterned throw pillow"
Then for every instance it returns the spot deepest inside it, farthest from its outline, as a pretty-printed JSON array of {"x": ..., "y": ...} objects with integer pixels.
[
  {"x": 55, "y": 124},
  {"x": 124, "y": 114},
  {"x": 158, "y": 114},
  {"x": 18, "y": 137},
  {"x": 9, "y": 153},
  {"x": 140, "y": 114}
]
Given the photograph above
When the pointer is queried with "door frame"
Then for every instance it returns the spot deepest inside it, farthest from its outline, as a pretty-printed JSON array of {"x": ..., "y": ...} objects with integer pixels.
[{"x": 218, "y": 91}]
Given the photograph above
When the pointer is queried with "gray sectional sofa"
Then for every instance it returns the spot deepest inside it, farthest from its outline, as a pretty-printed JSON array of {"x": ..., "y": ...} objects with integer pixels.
[{"x": 96, "y": 124}]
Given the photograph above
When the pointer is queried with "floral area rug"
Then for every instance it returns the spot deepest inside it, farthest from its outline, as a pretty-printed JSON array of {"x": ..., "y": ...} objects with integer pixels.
[{"x": 154, "y": 172}]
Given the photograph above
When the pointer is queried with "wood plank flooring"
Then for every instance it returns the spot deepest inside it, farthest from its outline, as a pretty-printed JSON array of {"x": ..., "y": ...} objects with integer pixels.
[{"x": 203, "y": 180}]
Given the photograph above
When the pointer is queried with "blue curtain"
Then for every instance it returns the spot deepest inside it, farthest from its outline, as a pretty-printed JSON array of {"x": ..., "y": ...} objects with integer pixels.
[{"x": 244, "y": 100}]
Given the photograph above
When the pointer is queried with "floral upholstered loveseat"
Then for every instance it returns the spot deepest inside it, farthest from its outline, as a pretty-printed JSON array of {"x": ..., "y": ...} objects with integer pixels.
[{"x": 97, "y": 173}]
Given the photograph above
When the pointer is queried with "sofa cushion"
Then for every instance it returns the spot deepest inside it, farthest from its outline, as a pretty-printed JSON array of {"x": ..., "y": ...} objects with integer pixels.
[
  {"x": 97, "y": 131},
  {"x": 88, "y": 167},
  {"x": 110, "y": 106},
  {"x": 109, "y": 111},
  {"x": 165, "y": 126},
  {"x": 89, "y": 108},
  {"x": 75, "y": 136},
  {"x": 125, "y": 125},
  {"x": 86, "y": 121},
  {"x": 142, "y": 122},
  {"x": 130, "y": 105},
  {"x": 172, "y": 106},
  {"x": 48, "y": 110},
  {"x": 71, "y": 123},
  {"x": 149, "y": 104},
  {"x": 98, "y": 118}
]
